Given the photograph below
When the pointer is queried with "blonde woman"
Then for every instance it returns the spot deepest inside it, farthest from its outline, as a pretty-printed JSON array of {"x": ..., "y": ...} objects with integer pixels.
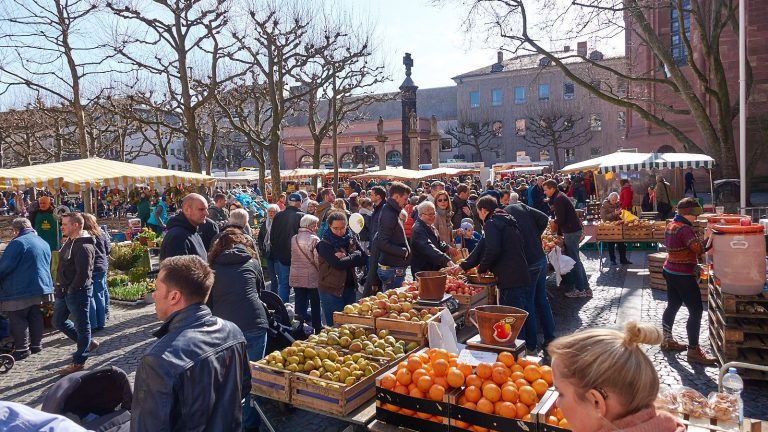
[
  {"x": 443, "y": 220},
  {"x": 607, "y": 383}
]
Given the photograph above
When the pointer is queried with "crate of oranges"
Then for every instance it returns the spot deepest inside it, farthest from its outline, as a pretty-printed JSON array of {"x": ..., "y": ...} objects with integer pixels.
[
  {"x": 418, "y": 391},
  {"x": 503, "y": 396},
  {"x": 550, "y": 417}
]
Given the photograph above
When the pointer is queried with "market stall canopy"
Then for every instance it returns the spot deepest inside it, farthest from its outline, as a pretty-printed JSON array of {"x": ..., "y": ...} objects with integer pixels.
[
  {"x": 15, "y": 180},
  {"x": 522, "y": 170},
  {"x": 236, "y": 176},
  {"x": 450, "y": 172},
  {"x": 80, "y": 174},
  {"x": 630, "y": 161},
  {"x": 394, "y": 174},
  {"x": 301, "y": 173}
]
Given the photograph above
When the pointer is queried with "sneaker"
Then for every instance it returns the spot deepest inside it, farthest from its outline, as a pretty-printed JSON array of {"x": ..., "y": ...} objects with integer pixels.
[
  {"x": 74, "y": 367},
  {"x": 670, "y": 344},
  {"x": 35, "y": 350},
  {"x": 20, "y": 355},
  {"x": 574, "y": 293},
  {"x": 697, "y": 355},
  {"x": 93, "y": 346}
]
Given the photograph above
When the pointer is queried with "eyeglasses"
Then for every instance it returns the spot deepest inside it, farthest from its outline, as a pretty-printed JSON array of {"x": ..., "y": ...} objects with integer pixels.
[{"x": 442, "y": 200}]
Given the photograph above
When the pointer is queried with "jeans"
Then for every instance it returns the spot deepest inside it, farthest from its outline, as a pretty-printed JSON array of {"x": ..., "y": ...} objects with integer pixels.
[
  {"x": 612, "y": 250},
  {"x": 572, "y": 250},
  {"x": 272, "y": 274},
  {"x": 255, "y": 344},
  {"x": 332, "y": 304},
  {"x": 391, "y": 278},
  {"x": 683, "y": 290},
  {"x": 311, "y": 296},
  {"x": 282, "y": 272},
  {"x": 27, "y": 328},
  {"x": 540, "y": 309},
  {"x": 98, "y": 310},
  {"x": 515, "y": 297},
  {"x": 77, "y": 304}
]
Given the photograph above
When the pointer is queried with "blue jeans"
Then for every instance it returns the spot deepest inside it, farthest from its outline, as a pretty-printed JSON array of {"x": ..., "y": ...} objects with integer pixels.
[
  {"x": 391, "y": 278},
  {"x": 77, "y": 304},
  {"x": 515, "y": 297},
  {"x": 282, "y": 272},
  {"x": 272, "y": 274},
  {"x": 255, "y": 344},
  {"x": 304, "y": 297},
  {"x": 539, "y": 307},
  {"x": 332, "y": 304},
  {"x": 97, "y": 312},
  {"x": 572, "y": 250}
]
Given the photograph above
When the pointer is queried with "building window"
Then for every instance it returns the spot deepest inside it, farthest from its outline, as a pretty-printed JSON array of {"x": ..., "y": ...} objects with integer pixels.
[
  {"x": 679, "y": 51},
  {"x": 544, "y": 155},
  {"x": 446, "y": 144},
  {"x": 570, "y": 154},
  {"x": 621, "y": 87},
  {"x": 173, "y": 152},
  {"x": 347, "y": 160},
  {"x": 595, "y": 151},
  {"x": 496, "y": 97},
  {"x": 621, "y": 120},
  {"x": 596, "y": 122},
  {"x": 394, "y": 158},
  {"x": 305, "y": 161},
  {"x": 519, "y": 95},
  {"x": 326, "y": 161},
  {"x": 543, "y": 92},
  {"x": 474, "y": 99},
  {"x": 520, "y": 126},
  {"x": 569, "y": 90}
]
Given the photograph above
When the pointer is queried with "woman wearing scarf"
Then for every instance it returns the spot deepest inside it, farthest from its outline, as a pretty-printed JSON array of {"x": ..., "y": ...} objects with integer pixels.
[
  {"x": 339, "y": 252},
  {"x": 265, "y": 246},
  {"x": 443, "y": 220}
]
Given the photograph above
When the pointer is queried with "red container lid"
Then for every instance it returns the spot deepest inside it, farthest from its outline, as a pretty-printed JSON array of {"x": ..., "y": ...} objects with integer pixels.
[
  {"x": 728, "y": 219},
  {"x": 738, "y": 229}
]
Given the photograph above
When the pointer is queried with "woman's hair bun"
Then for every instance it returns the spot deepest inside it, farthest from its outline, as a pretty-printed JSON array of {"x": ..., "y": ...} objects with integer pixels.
[{"x": 641, "y": 333}]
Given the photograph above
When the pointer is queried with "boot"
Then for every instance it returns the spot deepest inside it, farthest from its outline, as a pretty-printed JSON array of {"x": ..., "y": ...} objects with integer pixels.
[
  {"x": 624, "y": 260},
  {"x": 670, "y": 344},
  {"x": 697, "y": 355}
]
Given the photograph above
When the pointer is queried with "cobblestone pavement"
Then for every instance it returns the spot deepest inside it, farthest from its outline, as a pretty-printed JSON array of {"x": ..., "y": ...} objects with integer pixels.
[{"x": 620, "y": 293}]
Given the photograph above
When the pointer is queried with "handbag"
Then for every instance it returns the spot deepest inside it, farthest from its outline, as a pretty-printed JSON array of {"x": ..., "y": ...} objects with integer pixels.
[{"x": 332, "y": 280}]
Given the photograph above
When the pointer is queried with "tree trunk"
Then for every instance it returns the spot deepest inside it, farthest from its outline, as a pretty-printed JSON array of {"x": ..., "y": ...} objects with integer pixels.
[
  {"x": 556, "y": 151},
  {"x": 274, "y": 163}
]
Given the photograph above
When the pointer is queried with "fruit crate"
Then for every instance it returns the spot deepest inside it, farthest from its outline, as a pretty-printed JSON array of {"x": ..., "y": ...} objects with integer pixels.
[
  {"x": 342, "y": 318},
  {"x": 368, "y": 331},
  {"x": 270, "y": 382},
  {"x": 333, "y": 398},
  {"x": 545, "y": 409},
  {"x": 640, "y": 233},
  {"x": 490, "y": 292},
  {"x": 461, "y": 417},
  {"x": 609, "y": 232},
  {"x": 407, "y": 330},
  {"x": 473, "y": 300},
  {"x": 659, "y": 228}
]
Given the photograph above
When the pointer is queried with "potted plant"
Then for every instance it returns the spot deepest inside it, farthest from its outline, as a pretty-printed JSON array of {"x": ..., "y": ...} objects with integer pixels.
[
  {"x": 147, "y": 237},
  {"x": 148, "y": 299}
]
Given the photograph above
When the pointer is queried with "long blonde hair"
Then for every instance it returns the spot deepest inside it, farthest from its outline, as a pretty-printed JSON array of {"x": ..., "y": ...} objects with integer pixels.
[{"x": 611, "y": 360}]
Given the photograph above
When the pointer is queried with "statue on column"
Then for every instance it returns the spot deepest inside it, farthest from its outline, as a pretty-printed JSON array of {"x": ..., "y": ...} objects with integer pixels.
[
  {"x": 433, "y": 125},
  {"x": 380, "y": 127},
  {"x": 414, "y": 121}
]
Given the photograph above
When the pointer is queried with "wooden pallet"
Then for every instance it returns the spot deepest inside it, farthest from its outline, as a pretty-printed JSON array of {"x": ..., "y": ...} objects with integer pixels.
[
  {"x": 270, "y": 382},
  {"x": 342, "y": 318},
  {"x": 732, "y": 304}
]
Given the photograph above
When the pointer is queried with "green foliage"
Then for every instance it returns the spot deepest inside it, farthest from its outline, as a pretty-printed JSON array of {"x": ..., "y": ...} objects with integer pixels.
[
  {"x": 116, "y": 280},
  {"x": 126, "y": 257},
  {"x": 137, "y": 274},
  {"x": 129, "y": 291},
  {"x": 147, "y": 234}
]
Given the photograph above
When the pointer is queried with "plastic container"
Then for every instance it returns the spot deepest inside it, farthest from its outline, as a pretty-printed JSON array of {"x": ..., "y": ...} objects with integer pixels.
[
  {"x": 733, "y": 385},
  {"x": 738, "y": 258}
]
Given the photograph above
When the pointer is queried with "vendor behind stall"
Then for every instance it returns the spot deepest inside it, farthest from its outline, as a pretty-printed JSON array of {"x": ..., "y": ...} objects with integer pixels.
[
  {"x": 45, "y": 222},
  {"x": 610, "y": 211}
]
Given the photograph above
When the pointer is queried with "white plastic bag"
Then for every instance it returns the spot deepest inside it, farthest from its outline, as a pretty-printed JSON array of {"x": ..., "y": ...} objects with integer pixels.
[
  {"x": 561, "y": 263},
  {"x": 443, "y": 334}
]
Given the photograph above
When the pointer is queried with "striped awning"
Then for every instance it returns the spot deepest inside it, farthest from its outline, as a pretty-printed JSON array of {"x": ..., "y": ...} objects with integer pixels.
[
  {"x": 13, "y": 180},
  {"x": 661, "y": 161},
  {"x": 81, "y": 174}
]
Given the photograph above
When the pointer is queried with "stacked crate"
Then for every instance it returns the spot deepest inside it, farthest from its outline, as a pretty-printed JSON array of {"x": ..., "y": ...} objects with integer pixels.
[{"x": 655, "y": 268}]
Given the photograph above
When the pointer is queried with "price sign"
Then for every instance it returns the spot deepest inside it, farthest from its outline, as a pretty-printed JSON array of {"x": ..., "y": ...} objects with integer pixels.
[{"x": 474, "y": 358}]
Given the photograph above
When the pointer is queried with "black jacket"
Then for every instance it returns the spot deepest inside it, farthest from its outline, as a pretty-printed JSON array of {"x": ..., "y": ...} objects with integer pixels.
[
  {"x": 236, "y": 287},
  {"x": 75, "y": 269},
  {"x": 391, "y": 242},
  {"x": 102, "y": 248},
  {"x": 208, "y": 231},
  {"x": 501, "y": 251},
  {"x": 261, "y": 238},
  {"x": 367, "y": 232},
  {"x": 537, "y": 199},
  {"x": 218, "y": 215},
  {"x": 285, "y": 225},
  {"x": 182, "y": 239},
  {"x": 194, "y": 377},
  {"x": 354, "y": 258},
  {"x": 429, "y": 253},
  {"x": 565, "y": 214},
  {"x": 532, "y": 224},
  {"x": 375, "y": 218}
]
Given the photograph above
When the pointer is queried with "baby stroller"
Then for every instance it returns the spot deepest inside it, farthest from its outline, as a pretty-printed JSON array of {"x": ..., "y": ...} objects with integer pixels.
[
  {"x": 98, "y": 400},
  {"x": 6, "y": 359},
  {"x": 280, "y": 333}
]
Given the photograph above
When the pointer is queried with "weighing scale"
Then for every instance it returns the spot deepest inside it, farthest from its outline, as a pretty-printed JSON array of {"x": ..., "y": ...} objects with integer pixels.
[
  {"x": 517, "y": 347},
  {"x": 448, "y": 301}
]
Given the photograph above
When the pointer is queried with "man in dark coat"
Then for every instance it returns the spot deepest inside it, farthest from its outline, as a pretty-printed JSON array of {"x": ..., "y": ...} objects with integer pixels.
[
  {"x": 284, "y": 227},
  {"x": 537, "y": 196},
  {"x": 429, "y": 253},
  {"x": 217, "y": 212},
  {"x": 372, "y": 281},
  {"x": 208, "y": 230},
  {"x": 391, "y": 242},
  {"x": 182, "y": 237}
]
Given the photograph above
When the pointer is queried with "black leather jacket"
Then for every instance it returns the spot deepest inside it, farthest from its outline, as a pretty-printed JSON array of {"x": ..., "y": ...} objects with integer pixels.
[
  {"x": 194, "y": 377},
  {"x": 391, "y": 242},
  {"x": 429, "y": 253}
]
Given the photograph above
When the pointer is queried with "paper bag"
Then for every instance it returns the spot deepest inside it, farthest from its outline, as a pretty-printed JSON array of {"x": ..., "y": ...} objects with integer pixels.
[{"x": 443, "y": 334}]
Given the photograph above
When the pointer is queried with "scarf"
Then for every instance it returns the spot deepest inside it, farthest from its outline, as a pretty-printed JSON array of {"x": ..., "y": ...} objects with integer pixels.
[
  {"x": 337, "y": 242},
  {"x": 268, "y": 227}
]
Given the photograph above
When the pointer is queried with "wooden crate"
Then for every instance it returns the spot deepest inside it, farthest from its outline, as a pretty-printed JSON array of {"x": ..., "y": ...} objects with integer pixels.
[
  {"x": 410, "y": 330},
  {"x": 489, "y": 421},
  {"x": 609, "y": 232},
  {"x": 339, "y": 400},
  {"x": 732, "y": 305},
  {"x": 544, "y": 409},
  {"x": 342, "y": 318},
  {"x": 270, "y": 382},
  {"x": 471, "y": 301},
  {"x": 638, "y": 233}
]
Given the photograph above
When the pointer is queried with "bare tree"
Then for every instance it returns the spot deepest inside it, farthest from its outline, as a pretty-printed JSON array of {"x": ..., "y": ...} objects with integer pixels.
[
  {"x": 179, "y": 38},
  {"x": 558, "y": 128},
  {"x": 712, "y": 109},
  {"x": 111, "y": 125},
  {"x": 476, "y": 132},
  {"x": 24, "y": 135}
]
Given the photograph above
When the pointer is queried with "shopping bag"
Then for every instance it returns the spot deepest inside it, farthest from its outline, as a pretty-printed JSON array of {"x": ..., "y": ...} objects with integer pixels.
[
  {"x": 442, "y": 334},
  {"x": 627, "y": 216},
  {"x": 561, "y": 263}
]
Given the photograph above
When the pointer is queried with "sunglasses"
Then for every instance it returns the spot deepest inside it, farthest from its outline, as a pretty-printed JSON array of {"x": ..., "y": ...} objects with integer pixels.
[{"x": 442, "y": 200}]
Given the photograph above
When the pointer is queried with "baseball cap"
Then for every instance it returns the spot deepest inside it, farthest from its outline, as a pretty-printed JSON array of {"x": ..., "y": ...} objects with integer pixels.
[{"x": 295, "y": 197}]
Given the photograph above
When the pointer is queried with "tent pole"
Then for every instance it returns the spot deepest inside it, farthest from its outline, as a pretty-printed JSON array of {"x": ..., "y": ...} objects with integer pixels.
[{"x": 711, "y": 189}]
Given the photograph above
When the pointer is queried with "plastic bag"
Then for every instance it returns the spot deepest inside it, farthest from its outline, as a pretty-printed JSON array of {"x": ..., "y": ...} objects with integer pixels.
[
  {"x": 443, "y": 334},
  {"x": 627, "y": 216},
  {"x": 561, "y": 263}
]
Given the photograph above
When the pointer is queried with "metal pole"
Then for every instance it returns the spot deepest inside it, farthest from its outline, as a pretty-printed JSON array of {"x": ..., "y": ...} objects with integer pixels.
[{"x": 742, "y": 104}]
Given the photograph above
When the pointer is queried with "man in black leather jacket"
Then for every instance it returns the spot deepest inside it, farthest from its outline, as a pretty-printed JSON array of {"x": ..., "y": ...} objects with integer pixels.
[
  {"x": 391, "y": 242},
  {"x": 429, "y": 253},
  {"x": 196, "y": 375}
]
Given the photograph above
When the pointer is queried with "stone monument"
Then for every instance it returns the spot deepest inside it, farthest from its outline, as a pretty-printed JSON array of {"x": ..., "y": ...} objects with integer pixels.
[
  {"x": 413, "y": 139},
  {"x": 382, "y": 139},
  {"x": 434, "y": 140},
  {"x": 408, "y": 105}
]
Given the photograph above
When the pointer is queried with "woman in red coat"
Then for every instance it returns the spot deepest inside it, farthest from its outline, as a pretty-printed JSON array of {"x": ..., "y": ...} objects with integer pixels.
[{"x": 626, "y": 196}]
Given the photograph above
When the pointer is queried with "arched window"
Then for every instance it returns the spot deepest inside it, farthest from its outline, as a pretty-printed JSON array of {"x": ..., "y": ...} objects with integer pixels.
[
  {"x": 372, "y": 160},
  {"x": 305, "y": 161},
  {"x": 394, "y": 158},
  {"x": 326, "y": 161},
  {"x": 347, "y": 161}
]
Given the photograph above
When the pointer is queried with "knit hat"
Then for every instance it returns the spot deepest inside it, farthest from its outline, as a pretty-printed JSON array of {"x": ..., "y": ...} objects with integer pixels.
[
  {"x": 689, "y": 206},
  {"x": 467, "y": 224}
]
